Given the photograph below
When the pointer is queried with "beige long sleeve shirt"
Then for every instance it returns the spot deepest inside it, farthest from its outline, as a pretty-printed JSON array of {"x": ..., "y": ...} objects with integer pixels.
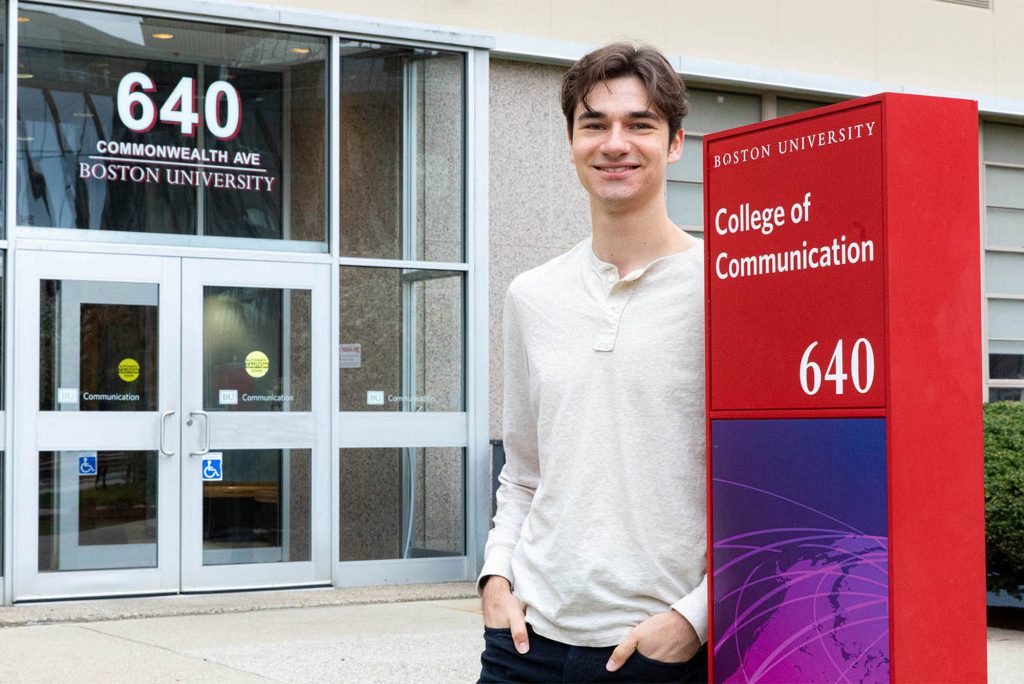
[{"x": 601, "y": 509}]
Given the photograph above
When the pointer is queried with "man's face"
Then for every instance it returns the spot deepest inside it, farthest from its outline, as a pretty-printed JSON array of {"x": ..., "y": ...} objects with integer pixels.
[{"x": 620, "y": 146}]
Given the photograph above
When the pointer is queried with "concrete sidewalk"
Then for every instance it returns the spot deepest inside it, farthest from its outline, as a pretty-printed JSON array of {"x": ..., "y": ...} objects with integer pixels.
[{"x": 424, "y": 633}]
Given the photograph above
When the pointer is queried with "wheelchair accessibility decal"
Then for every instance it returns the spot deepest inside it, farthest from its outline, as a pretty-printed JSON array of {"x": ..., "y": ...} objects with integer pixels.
[
  {"x": 86, "y": 463},
  {"x": 213, "y": 467}
]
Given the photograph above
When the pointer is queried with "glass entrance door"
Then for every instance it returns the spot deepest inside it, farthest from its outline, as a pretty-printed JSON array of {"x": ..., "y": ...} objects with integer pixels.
[
  {"x": 171, "y": 431},
  {"x": 96, "y": 433},
  {"x": 255, "y": 482}
]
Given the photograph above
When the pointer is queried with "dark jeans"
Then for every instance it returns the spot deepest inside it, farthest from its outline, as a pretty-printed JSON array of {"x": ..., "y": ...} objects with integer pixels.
[{"x": 553, "y": 661}]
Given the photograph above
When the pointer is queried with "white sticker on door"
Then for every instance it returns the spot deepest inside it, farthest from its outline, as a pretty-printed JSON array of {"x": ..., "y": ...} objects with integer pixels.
[{"x": 350, "y": 355}]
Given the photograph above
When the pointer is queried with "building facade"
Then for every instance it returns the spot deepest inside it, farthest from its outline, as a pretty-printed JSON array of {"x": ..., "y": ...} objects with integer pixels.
[{"x": 254, "y": 256}]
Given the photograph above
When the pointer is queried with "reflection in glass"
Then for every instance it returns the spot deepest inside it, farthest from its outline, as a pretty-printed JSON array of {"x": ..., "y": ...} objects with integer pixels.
[
  {"x": 1006, "y": 366},
  {"x": 88, "y": 160},
  {"x": 401, "y": 152},
  {"x": 402, "y": 503},
  {"x": 401, "y": 340},
  {"x": 256, "y": 353},
  {"x": 1005, "y": 394},
  {"x": 98, "y": 346},
  {"x": 97, "y": 510},
  {"x": 259, "y": 512}
]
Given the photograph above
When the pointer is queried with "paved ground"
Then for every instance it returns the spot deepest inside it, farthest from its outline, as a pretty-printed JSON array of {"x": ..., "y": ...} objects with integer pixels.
[
  {"x": 427, "y": 633},
  {"x": 1005, "y": 656}
]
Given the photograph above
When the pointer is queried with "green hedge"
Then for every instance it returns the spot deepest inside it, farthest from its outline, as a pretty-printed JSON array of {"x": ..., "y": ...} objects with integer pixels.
[{"x": 1004, "y": 496}]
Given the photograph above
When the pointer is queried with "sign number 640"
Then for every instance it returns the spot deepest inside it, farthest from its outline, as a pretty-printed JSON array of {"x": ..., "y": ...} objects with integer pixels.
[
  {"x": 861, "y": 375},
  {"x": 137, "y": 110}
]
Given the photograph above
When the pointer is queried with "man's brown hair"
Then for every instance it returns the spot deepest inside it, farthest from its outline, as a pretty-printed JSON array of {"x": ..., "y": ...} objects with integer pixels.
[{"x": 664, "y": 86}]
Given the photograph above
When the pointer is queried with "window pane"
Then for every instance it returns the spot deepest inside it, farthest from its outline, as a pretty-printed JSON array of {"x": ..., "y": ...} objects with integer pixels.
[
  {"x": 3, "y": 290},
  {"x": 3, "y": 134},
  {"x": 402, "y": 503},
  {"x": 2, "y": 566},
  {"x": 785, "y": 106},
  {"x": 1004, "y": 273},
  {"x": 401, "y": 340},
  {"x": 1003, "y": 143},
  {"x": 712, "y": 111},
  {"x": 1004, "y": 227},
  {"x": 1006, "y": 346},
  {"x": 98, "y": 346},
  {"x": 691, "y": 166},
  {"x": 260, "y": 511},
  {"x": 156, "y": 125},
  {"x": 1005, "y": 394},
  {"x": 1006, "y": 319},
  {"x": 1004, "y": 187},
  {"x": 97, "y": 510},
  {"x": 401, "y": 151},
  {"x": 1006, "y": 366},
  {"x": 685, "y": 203},
  {"x": 256, "y": 353}
]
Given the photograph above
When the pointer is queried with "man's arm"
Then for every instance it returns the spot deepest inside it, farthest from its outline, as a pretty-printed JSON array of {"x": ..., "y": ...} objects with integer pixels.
[
  {"x": 518, "y": 483},
  {"x": 694, "y": 607}
]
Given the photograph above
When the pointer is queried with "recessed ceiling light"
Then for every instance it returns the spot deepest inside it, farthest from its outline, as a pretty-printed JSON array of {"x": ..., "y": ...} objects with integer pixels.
[
  {"x": 25, "y": 138},
  {"x": 24, "y": 20},
  {"x": 84, "y": 115},
  {"x": 163, "y": 36},
  {"x": 26, "y": 75},
  {"x": 300, "y": 50}
]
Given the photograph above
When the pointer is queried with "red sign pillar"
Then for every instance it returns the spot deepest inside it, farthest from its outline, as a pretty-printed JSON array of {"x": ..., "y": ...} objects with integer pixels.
[{"x": 846, "y": 509}]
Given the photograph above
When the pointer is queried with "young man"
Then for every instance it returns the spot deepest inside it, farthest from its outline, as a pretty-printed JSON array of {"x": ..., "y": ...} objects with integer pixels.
[{"x": 595, "y": 568}]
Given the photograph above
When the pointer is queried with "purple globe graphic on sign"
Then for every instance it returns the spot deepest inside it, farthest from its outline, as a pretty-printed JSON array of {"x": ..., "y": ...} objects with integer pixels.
[
  {"x": 800, "y": 552},
  {"x": 813, "y": 607}
]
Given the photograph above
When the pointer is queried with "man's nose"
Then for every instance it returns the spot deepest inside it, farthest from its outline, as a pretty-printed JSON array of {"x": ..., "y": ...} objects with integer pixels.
[{"x": 616, "y": 141}]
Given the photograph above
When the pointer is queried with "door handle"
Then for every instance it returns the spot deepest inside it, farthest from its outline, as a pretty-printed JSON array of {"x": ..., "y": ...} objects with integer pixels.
[
  {"x": 163, "y": 432},
  {"x": 206, "y": 432}
]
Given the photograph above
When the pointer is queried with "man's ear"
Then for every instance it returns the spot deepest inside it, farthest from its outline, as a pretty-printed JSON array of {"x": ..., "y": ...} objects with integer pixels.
[{"x": 675, "y": 147}]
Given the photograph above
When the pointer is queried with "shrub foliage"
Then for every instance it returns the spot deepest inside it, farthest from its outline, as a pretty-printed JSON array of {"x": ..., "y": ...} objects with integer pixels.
[{"x": 1004, "y": 496}]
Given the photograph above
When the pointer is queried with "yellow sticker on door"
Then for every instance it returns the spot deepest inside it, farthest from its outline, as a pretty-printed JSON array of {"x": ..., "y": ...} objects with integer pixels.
[
  {"x": 257, "y": 364},
  {"x": 128, "y": 370}
]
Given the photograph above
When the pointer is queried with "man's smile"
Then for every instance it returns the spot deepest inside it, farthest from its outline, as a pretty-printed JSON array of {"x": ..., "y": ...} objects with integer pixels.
[{"x": 617, "y": 170}]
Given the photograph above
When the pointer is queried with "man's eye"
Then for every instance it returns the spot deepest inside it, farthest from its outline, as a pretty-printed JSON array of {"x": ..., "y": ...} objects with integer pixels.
[{"x": 640, "y": 124}]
